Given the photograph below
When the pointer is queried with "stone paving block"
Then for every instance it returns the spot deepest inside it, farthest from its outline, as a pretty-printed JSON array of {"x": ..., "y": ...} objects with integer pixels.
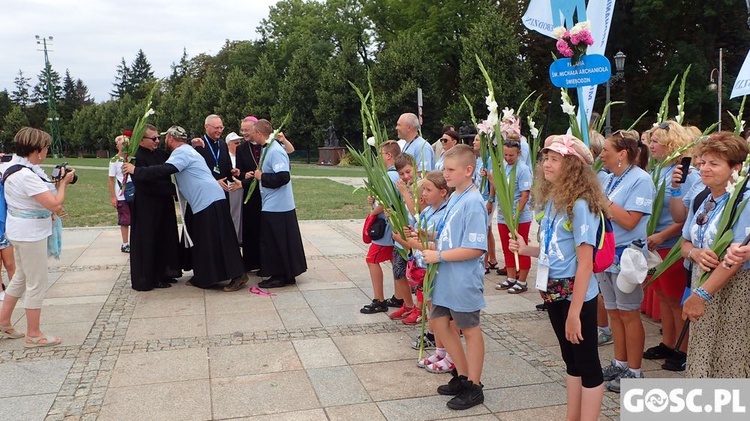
[
  {"x": 503, "y": 370},
  {"x": 242, "y": 360},
  {"x": 166, "y": 327},
  {"x": 295, "y": 318},
  {"x": 398, "y": 380},
  {"x": 72, "y": 334},
  {"x": 540, "y": 333},
  {"x": 289, "y": 300},
  {"x": 363, "y": 411},
  {"x": 70, "y": 313},
  {"x": 431, "y": 407},
  {"x": 317, "y": 281},
  {"x": 535, "y": 414},
  {"x": 65, "y": 301},
  {"x": 106, "y": 275},
  {"x": 317, "y": 353},
  {"x": 335, "y": 297},
  {"x": 347, "y": 314},
  {"x": 33, "y": 377},
  {"x": 160, "y": 307},
  {"x": 308, "y": 415},
  {"x": 178, "y": 290},
  {"x": 360, "y": 349},
  {"x": 27, "y": 408},
  {"x": 188, "y": 400},
  {"x": 160, "y": 367},
  {"x": 522, "y": 397},
  {"x": 262, "y": 394},
  {"x": 87, "y": 259},
  {"x": 76, "y": 289},
  {"x": 507, "y": 303},
  {"x": 221, "y": 324},
  {"x": 337, "y": 386}
]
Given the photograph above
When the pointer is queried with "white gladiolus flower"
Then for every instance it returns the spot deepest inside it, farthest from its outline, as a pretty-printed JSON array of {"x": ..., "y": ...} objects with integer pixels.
[
  {"x": 371, "y": 141},
  {"x": 492, "y": 119},
  {"x": 150, "y": 112},
  {"x": 730, "y": 187},
  {"x": 742, "y": 125},
  {"x": 508, "y": 114},
  {"x": 558, "y": 32},
  {"x": 735, "y": 175},
  {"x": 568, "y": 108},
  {"x": 534, "y": 132}
]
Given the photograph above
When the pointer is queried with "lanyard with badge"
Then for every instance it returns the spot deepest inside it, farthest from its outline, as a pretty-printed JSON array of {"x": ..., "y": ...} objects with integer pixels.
[
  {"x": 216, "y": 155},
  {"x": 542, "y": 271}
]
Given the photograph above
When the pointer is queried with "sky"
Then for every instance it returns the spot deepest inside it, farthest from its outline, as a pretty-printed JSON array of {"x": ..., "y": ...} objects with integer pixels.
[{"x": 92, "y": 36}]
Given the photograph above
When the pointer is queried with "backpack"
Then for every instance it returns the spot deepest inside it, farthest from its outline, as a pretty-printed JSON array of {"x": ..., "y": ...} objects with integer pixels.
[
  {"x": 604, "y": 252},
  {"x": 3, "y": 205}
]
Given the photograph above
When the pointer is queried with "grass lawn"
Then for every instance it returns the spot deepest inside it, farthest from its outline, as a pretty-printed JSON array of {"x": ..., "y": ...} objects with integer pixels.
[{"x": 87, "y": 201}]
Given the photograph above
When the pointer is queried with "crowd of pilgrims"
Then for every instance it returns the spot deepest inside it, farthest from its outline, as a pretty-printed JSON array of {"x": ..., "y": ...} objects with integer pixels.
[{"x": 567, "y": 197}]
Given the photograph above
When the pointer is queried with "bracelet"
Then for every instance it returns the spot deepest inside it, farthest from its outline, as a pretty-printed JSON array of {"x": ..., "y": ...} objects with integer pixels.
[
  {"x": 689, "y": 253},
  {"x": 491, "y": 200},
  {"x": 440, "y": 257},
  {"x": 675, "y": 193},
  {"x": 700, "y": 292}
]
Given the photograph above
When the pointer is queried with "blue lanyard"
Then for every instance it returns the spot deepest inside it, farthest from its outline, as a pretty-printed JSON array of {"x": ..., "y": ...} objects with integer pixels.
[
  {"x": 210, "y": 148},
  {"x": 548, "y": 230},
  {"x": 441, "y": 207},
  {"x": 610, "y": 187},
  {"x": 702, "y": 229},
  {"x": 445, "y": 216}
]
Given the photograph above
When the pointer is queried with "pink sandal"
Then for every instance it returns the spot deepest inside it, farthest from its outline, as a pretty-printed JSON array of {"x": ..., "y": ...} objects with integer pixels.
[
  {"x": 424, "y": 362},
  {"x": 440, "y": 367}
]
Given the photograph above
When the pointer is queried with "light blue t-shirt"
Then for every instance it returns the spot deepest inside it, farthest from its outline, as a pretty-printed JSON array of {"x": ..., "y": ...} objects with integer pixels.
[
  {"x": 702, "y": 236},
  {"x": 422, "y": 152},
  {"x": 689, "y": 195},
  {"x": 459, "y": 286},
  {"x": 387, "y": 239},
  {"x": 665, "y": 217},
  {"x": 525, "y": 152},
  {"x": 565, "y": 237},
  {"x": 439, "y": 163},
  {"x": 635, "y": 193},
  {"x": 429, "y": 219},
  {"x": 601, "y": 175},
  {"x": 484, "y": 187},
  {"x": 523, "y": 183},
  {"x": 194, "y": 179},
  {"x": 282, "y": 198}
]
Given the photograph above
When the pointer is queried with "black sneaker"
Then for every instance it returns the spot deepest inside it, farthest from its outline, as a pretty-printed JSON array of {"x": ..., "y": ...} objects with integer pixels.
[
  {"x": 658, "y": 352},
  {"x": 541, "y": 307},
  {"x": 125, "y": 248},
  {"x": 394, "y": 302},
  {"x": 471, "y": 395},
  {"x": 429, "y": 341},
  {"x": 677, "y": 362},
  {"x": 376, "y": 306},
  {"x": 453, "y": 388}
]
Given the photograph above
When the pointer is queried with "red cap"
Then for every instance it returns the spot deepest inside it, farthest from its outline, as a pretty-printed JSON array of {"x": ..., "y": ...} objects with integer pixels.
[{"x": 127, "y": 133}]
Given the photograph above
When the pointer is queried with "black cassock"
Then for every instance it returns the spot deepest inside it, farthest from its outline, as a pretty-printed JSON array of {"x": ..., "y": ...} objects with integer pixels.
[
  {"x": 154, "y": 244},
  {"x": 248, "y": 156}
]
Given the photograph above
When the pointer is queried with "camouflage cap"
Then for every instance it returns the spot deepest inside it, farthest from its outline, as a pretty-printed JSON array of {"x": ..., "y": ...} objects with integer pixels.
[{"x": 176, "y": 132}]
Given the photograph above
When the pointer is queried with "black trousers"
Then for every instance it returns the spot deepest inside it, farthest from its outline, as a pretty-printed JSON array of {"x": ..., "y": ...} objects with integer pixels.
[{"x": 581, "y": 360}]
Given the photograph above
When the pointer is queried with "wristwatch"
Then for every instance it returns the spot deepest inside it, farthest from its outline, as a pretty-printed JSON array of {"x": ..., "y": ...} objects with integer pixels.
[{"x": 491, "y": 200}]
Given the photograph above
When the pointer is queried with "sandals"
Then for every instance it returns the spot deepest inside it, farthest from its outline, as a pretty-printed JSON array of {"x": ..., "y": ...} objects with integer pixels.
[
  {"x": 430, "y": 359},
  {"x": 490, "y": 267},
  {"x": 440, "y": 367},
  {"x": 517, "y": 289},
  {"x": 507, "y": 284},
  {"x": 4, "y": 332},
  {"x": 36, "y": 342}
]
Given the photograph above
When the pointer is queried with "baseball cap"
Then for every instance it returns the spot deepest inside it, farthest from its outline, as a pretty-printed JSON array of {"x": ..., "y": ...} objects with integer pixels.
[
  {"x": 176, "y": 132},
  {"x": 231, "y": 137}
]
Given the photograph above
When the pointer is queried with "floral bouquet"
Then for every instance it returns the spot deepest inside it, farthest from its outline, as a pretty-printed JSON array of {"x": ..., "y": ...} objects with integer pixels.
[{"x": 574, "y": 42}]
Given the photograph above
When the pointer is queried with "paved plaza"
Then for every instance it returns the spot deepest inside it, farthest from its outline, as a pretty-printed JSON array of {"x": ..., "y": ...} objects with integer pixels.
[{"x": 305, "y": 353}]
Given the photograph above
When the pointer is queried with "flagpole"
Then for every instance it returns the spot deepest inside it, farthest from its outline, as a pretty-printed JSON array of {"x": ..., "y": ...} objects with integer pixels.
[{"x": 721, "y": 71}]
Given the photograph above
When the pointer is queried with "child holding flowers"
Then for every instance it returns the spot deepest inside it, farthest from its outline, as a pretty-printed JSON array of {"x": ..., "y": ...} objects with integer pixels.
[
  {"x": 405, "y": 167},
  {"x": 461, "y": 241},
  {"x": 573, "y": 200}
]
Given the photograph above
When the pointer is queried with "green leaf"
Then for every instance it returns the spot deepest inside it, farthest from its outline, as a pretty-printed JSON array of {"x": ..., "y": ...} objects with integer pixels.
[{"x": 675, "y": 253}]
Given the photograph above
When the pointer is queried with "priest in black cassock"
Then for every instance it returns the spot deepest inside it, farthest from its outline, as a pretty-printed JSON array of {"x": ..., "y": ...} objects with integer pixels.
[
  {"x": 248, "y": 156},
  {"x": 214, "y": 150},
  {"x": 282, "y": 255},
  {"x": 154, "y": 252}
]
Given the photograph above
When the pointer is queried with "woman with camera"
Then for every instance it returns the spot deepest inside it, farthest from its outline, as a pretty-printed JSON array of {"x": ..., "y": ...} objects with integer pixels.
[{"x": 33, "y": 202}]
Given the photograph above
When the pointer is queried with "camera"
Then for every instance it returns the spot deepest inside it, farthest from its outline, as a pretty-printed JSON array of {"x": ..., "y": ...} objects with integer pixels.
[{"x": 59, "y": 172}]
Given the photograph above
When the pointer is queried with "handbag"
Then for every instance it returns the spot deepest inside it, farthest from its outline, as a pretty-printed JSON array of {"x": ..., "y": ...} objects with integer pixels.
[
  {"x": 558, "y": 290},
  {"x": 129, "y": 192}
]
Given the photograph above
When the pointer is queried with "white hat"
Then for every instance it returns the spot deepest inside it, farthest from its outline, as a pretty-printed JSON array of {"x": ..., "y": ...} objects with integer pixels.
[
  {"x": 231, "y": 137},
  {"x": 633, "y": 270}
]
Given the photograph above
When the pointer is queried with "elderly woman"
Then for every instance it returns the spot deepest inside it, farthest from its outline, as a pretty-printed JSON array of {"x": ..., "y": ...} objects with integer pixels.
[
  {"x": 665, "y": 139},
  {"x": 449, "y": 139},
  {"x": 32, "y": 202},
  {"x": 718, "y": 309},
  {"x": 630, "y": 192}
]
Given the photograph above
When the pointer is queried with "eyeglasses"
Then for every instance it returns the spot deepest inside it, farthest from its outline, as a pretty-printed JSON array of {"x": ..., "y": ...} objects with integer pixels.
[
  {"x": 512, "y": 144},
  {"x": 702, "y": 218},
  {"x": 215, "y": 127},
  {"x": 445, "y": 140},
  {"x": 153, "y": 138}
]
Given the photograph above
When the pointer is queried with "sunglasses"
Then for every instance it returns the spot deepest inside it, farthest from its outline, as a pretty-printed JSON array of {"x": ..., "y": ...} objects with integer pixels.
[
  {"x": 153, "y": 138},
  {"x": 664, "y": 126},
  {"x": 512, "y": 144},
  {"x": 702, "y": 218},
  {"x": 445, "y": 140}
]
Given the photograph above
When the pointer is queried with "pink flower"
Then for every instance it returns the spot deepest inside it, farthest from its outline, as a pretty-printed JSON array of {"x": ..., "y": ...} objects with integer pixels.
[
  {"x": 564, "y": 49},
  {"x": 485, "y": 127},
  {"x": 587, "y": 38}
]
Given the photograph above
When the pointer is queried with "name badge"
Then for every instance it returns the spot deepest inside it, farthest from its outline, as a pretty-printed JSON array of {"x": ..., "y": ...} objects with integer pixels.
[
  {"x": 216, "y": 169},
  {"x": 542, "y": 272}
]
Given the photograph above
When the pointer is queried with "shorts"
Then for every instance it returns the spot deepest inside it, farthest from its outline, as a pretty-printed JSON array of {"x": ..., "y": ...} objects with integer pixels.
[
  {"x": 399, "y": 265},
  {"x": 123, "y": 213},
  {"x": 614, "y": 299},
  {"x": 464, "y": 320},
  {"x": 673, "y": 281},
  {"x": 4, "y": 243},
  {"x": 378, "y": 254}
]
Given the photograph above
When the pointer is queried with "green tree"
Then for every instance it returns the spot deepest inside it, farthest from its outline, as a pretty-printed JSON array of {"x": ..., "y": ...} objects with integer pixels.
[
  {"x": 5, "y": 103},
  {"x": 12, "y": 122},
  {"x": 206, "y": 101},
  {"x": 233, "y": 99},
  {"x": 122, "y": 85},
  {"x": 263, "y": 85},
  {"x": 21, "y": 94},
  {"x": 39, "y": 95}
]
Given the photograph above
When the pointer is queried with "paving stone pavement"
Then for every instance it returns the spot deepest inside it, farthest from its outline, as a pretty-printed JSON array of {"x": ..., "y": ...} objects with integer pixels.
[{"x": 305, "y": 353}]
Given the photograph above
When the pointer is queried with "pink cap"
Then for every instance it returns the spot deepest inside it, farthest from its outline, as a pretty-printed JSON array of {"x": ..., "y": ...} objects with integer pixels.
[{"x": 250, "y": 118}]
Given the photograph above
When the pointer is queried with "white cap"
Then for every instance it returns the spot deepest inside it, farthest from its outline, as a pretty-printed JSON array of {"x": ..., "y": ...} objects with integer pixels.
[{"x": 231, "y": 137}]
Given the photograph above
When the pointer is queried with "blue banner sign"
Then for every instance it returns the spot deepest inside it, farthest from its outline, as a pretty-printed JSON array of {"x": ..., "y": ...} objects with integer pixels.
[{"x": 592, "y": 69}]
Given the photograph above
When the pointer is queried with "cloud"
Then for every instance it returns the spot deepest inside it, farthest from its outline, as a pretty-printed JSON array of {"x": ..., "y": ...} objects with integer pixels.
[{"x": 91, "y": 36}]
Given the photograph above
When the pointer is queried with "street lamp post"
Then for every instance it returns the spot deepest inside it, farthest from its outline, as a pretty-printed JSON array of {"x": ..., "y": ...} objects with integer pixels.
[
  {"x": 52, "y": 118},
  {"x": 619, "y": 75},
  {"x": 714, "y": 86}
]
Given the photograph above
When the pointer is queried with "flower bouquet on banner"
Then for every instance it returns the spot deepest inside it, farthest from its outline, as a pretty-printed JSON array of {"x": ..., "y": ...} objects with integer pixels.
[
  {"x": 271, "y": 139},
  {"x": 573, "y": 42}
]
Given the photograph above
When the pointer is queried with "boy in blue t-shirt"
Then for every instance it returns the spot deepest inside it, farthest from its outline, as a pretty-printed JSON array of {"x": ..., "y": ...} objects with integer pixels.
[{"x": 461, "y": 241}]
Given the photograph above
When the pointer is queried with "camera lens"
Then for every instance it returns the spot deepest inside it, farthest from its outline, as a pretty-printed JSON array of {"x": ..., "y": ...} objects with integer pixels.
[{"x": 75, "y": 179}]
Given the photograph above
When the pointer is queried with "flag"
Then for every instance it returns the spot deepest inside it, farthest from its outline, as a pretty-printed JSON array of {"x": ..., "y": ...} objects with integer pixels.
[
  {"x": 742, "y": 84},
  {"x": 600, "y": 16}
]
